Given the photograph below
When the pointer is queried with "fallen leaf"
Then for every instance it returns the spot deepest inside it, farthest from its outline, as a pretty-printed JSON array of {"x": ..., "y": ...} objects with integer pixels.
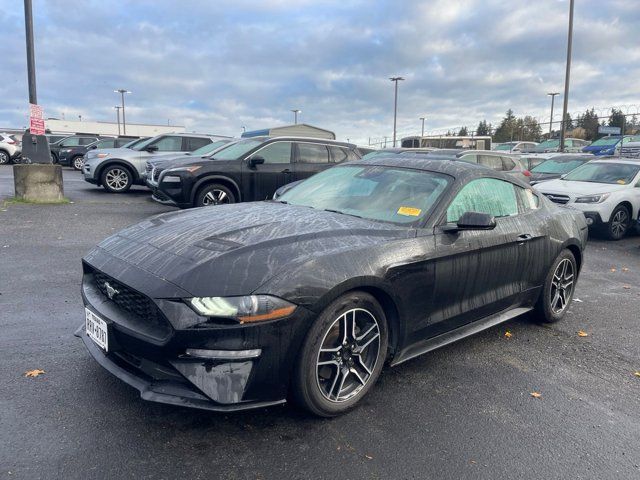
[
  {"x": 626, "y": 287},
  {"x": 508, "y": 334},
  {"x": 577, "y": 300},
  {"x": 33, "y": 373},
  {"x": 536, "y": 395},
  {"x": 613, "y": 269},
  {"x": 625, "y": 269},
  {"x": 369, "y": 457},
  {"x": 582, "y": 333},
  {"x": 637, "y": 374}
]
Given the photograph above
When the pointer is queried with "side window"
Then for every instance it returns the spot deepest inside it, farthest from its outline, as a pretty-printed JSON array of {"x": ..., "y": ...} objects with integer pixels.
[
  {"x": 119, "y": 142},
  {"x": 87, "y": 140},
  {"x": 106, "y": 144},
  {"x": 70, "y": 142},
  {"x": 472, "y": 158},
  {"x": 338, "y": 154},
  {"x": 528, "y": 199},
  {"x": 312, "y": 153},
  {"x": 194, "y": 143},
  {"x": 485, "y": 195},
  {"x": 168, "y": 144},
  {"x": 351, "y": 155},
  {"x": 278, "y": 152},
  {"x": 490, "y": 161},
  {"x": 508, "y": 164}
]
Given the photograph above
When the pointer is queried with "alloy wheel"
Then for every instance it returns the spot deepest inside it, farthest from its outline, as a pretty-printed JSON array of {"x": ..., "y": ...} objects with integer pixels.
[
  {"x": 348, "y": 355},
  {"x": 4, "y": 158},
  {"x": 117, "y": 179},
  {"x": 562, "y": 286},
  {"x": 215, "y": 197},
  {"x": 78, "y": 163},
  {"x": 619, "y": 223}
]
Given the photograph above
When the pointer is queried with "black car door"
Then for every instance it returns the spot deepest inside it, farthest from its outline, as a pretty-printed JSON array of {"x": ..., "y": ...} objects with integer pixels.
[
  {"x": 478, "y": 272},
  {"x": 274, "y": 169},
  {"x": 311, "y": 158}
]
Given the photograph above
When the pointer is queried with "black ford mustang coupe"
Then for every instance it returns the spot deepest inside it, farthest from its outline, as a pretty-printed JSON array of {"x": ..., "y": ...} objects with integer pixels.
[{"x": 371, "y": 262}]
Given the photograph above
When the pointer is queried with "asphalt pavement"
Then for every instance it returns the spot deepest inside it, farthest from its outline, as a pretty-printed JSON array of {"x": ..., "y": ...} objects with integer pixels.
[{"x": 462, "y": 412}]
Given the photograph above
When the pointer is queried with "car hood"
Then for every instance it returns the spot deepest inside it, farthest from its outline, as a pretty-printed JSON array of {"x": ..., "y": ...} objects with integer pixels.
[
  {"x": 539, "y": 177},
  {"x": 174, "y": 161},
  {"x": 579, "y": 188},
  {"x": 596, "y": 149},
  {"x": 234, "y": 249}
]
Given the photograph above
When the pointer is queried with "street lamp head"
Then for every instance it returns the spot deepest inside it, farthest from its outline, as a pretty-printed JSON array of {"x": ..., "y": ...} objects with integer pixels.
[
  {"x": 121, "y": 90},
  {"x": 296, "y": 111},
  {"x": 395, "y": 79},
  {"x": 553, "y": 94}
]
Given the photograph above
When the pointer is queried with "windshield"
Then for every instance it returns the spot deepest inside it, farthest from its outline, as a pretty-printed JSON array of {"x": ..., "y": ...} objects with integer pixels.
[
  {"x": 141, "y": 146},
  {"x": 396, "y": 195},
  {"x": 613, "y": 173},
  {"x": 378, "y": 153},
  {"x": 559, "y": 166},
  {"x": 237, "y": 149},
  {"x": 505, "y": 146},
  {"x": 208, "y": 148},
  {"x": 605, "y": 141},
  {"x": 547, "y": 144},
  {"x": 133, "y": 143}
]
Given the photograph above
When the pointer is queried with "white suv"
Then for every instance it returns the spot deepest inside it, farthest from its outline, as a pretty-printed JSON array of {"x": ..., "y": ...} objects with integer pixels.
[
  {"x": 10, "y": 148},
  {"x": 607, "y": 191}
]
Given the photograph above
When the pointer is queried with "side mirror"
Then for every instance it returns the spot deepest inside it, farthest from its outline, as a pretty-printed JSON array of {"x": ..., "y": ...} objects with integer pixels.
[
  {"x": 472, "y": 221},
  {"x": 256, "y": 160},
  {"x": 152, "y": 148},
  {"x": 93, "y": 147}
]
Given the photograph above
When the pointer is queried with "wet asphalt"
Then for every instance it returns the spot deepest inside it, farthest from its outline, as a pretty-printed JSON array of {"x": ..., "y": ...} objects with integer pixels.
[{"x": 462, "y": 412}]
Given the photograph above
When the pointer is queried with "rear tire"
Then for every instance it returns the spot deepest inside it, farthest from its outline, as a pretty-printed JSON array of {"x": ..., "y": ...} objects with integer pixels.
[
  {"x": 342, "y": 355},
  {"x": 116, "y": 179},
  {"x": 619, "y": 223},
  {"x": 4, "y": 157},
  {"x": 557, "y": 291},
  {"x": 214, "y": 194}
]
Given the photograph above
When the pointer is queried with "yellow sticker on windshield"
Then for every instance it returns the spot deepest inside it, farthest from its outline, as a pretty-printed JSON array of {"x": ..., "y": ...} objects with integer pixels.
[
  {"x": 621, "y": 182},
  {"x": 409, "y": 211}
]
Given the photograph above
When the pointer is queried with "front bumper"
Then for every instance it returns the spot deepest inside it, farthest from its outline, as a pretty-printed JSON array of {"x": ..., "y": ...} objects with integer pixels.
[
  {"x": 150, "y": 355},
  {"x": 593, "y": 218}
]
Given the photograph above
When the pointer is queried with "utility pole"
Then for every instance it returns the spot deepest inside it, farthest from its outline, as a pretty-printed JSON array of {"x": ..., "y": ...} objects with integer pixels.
[
  {"x": 118, "y": 107},
  {"x": 295, "y": 115},
  {"x": 122, "y": 91},
  {"x": 31, "y": 57},
  {"x": 567, "y": 77},
  {"x": 553, "y": 96},
  {"x": 395, "y": 106},
  {"x": 422, "y": 134}
]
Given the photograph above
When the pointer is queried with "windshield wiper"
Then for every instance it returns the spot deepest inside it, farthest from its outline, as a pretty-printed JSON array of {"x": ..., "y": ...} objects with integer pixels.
[{"x": 341, "y": 213}]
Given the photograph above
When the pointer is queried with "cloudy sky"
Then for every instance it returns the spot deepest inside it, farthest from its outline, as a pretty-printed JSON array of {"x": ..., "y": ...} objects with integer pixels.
[{"x": 215, "y": 66}]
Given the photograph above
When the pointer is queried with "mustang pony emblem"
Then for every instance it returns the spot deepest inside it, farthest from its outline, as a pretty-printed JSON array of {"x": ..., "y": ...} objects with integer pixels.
[{"x": 111, "y": 292}]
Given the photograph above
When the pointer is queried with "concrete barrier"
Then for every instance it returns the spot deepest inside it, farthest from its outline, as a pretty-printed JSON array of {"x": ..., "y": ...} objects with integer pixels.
[{"x": 38, "y": 183}]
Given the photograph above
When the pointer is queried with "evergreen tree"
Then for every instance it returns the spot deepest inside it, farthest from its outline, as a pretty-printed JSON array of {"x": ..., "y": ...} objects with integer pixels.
[
  {"x": 589, "y": 122},
  {"x": 463, "y": 132},
  {"x": 483, "y": 129},
  {"x": 507, "y": 130},
  {"x": 616, "y": 119}
]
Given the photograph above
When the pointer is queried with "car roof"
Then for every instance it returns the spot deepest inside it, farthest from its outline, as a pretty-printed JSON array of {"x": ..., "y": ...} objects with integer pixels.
[
  {"x": 613, "y": 159},
  {"x": 290, "y": 138}
]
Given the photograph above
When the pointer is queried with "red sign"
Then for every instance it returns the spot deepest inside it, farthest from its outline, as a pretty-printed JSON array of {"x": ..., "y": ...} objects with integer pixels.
[{"x": 36, "y": 126}]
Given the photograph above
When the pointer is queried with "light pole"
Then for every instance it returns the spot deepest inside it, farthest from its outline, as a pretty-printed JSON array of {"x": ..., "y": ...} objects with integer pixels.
[
  {"x": 122, "y": 91},
  {"x": 566, "y": 78},
  {"x": 395, "y": 106},
  {"x": 295, "y": 115},
  {"x": 553, "y": 96},
  {"x": 118, "y": 107},
  {"x": 422, "y": 134},
  {"x": 31, "y": 60}
]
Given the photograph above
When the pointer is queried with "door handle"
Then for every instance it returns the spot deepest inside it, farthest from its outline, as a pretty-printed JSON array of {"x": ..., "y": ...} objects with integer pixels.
[
  {"x": 286, "y": 171},
  {"x": 525, "y": 237}
]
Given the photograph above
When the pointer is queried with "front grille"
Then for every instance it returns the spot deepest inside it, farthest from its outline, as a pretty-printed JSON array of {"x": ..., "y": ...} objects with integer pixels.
[
  {"x": 561, "y": 199},
  {"x": 129, "y": 300},
  {"x": 630, "y": 152},
  {"x": 156, "y": 173}
]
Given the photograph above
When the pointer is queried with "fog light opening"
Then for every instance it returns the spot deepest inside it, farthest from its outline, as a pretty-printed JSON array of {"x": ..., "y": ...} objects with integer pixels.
[
  {"x": 589, "y": 221},
  {"x": 223, "y": 354}
]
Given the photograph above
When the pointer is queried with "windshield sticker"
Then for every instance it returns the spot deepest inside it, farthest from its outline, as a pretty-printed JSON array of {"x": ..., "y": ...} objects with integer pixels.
[
  {"x": 409, "y": 211},
  {"x": 621, "y": 182}
]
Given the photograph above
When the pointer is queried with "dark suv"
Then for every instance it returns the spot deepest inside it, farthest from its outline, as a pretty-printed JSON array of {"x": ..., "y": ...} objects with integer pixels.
[
  {"x": 249, "y": 170},
  {"x": 74, "y": 156},
  {"x": 70, "y": 142}
]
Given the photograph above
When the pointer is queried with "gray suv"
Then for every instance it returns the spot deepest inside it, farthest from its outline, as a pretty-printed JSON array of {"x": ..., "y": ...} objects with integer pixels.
[{"x": 116, "y": 169}]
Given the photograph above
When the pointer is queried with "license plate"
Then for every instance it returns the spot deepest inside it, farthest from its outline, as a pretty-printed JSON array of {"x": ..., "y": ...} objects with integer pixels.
[{"x": 96, "y": 328}]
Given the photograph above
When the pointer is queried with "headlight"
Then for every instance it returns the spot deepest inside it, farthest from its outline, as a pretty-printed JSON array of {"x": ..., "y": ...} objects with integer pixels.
[
  {"x": 593, "y": 198},
  {"x": 103, "y": 155},
  {"x": 184, "y": 169},
  {"x": 252, "y": 308}
]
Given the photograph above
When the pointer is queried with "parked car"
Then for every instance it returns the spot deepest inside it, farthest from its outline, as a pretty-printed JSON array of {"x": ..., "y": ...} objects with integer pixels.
[
  {"x": 515, "y": 147},
  {"x": 74, "y": 156},
  {"x": 610, "y": 145},
  {"x": 557, "y": 166},
  {"x": 368, "y": 263},
  {"x": 399, "y": 151},
  {"x": 607, "y": 191},
  {"x": 70, "y": 142},
  {"x": 155, "y": 166},
  {"x": 571, "y": 145},
  {"x": 53, "y": 138},
  {"x": 250, "y": 169},
  {"x": 117, "y": 169},
  {"x": 501, "y": 162},
  {"x": 10, "y": 148},
  {"x": 631, "y": 150}
]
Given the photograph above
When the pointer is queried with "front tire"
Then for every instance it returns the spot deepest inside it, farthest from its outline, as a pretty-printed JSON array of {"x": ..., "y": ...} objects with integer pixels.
[
  {"x": 77, "y": 162},
  {"x": 4, "y": 157},
  {"x": 342, "y": 356},
  {"x": 619, "y": 223},
  {"x": 214, "y": 194},
  {"x": 116, "y": 179},
  {"x": 558, "y": 288}
]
